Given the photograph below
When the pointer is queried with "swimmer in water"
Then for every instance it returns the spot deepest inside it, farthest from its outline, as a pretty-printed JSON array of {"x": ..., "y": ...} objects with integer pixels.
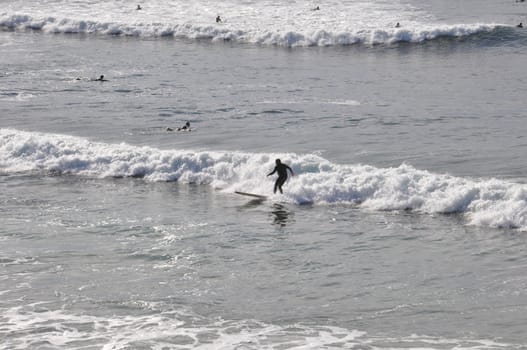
[
  {"x": 218, "y": 19},
  {"x": 101, "y": 78}
]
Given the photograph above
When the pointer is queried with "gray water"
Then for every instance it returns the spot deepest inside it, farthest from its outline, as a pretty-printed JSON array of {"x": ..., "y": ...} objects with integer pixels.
[
  {"x": 173, "y": 260},
  {"x": 123, "y": 263},
  {"x": 444, "y": 106}
]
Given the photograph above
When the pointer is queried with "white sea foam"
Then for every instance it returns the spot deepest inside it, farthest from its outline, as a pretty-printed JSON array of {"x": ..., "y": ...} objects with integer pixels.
[
  {"x": 40, "y": 326},
  {"x": 264, "y": 22},
  {"x": 15, "y": 96},
  {"x": 484, "y": 202}
]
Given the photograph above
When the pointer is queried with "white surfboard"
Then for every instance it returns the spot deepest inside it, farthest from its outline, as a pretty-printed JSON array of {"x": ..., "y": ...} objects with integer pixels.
[{"x": 259, "y": 196}]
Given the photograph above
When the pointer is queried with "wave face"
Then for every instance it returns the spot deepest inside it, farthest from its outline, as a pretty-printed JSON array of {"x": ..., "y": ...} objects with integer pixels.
[
  {"x": 258, "y": 22},
  {"x": 483, "y": 202}
]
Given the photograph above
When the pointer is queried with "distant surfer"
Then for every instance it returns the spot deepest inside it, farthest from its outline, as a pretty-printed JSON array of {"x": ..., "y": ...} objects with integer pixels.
[
  {"x": 520, "y": 25},
  {"x": 185, "y": 127},
  {"x": 101, "y": 78},
  {"x": 397, "y": 25},
  {"x": 138, "y": 7},
  {"x": 316, "y": 8},
  {"x": 281, "y": 169},
  {"x": 218, "y": 19}
]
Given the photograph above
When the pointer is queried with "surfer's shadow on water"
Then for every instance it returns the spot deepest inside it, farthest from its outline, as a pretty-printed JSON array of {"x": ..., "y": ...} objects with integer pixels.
[
  {"x": 253, "y": 203},
  {"x": 279, "y": 214}
]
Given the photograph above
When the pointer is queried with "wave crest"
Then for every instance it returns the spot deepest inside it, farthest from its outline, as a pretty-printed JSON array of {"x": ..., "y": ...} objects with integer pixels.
[
  {"x": 271, "y": 36},
  {"x": 489, "y": 202}
]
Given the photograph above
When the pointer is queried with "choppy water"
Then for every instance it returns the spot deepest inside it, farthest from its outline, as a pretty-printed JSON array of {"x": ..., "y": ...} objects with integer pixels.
[{"x": 404, "y": 226}]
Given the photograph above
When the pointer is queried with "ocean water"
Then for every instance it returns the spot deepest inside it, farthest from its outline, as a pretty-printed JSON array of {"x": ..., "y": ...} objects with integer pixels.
[{"x": 404, "y": 227}]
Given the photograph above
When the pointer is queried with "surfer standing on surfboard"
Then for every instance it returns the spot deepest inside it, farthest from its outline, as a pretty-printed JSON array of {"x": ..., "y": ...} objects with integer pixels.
[{"x": 281, "y": 169}]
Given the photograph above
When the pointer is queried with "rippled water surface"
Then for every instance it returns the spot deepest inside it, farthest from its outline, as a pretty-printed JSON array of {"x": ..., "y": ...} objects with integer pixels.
[{"x": 404, "y": 226}]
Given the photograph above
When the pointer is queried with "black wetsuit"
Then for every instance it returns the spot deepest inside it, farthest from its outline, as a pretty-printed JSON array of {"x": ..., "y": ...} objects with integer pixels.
[{"x": 281, "y": 169}]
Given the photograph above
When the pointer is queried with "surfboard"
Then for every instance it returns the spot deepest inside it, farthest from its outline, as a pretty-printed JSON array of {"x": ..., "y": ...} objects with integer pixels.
[{"x": 259, "y": 196}]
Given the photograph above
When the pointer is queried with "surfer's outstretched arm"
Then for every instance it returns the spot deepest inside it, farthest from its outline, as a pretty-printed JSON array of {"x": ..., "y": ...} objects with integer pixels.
[{"x": 272, "y": 172}]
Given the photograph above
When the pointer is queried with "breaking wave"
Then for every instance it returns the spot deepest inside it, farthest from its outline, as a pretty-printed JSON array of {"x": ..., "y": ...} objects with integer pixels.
[
  {"x": 483, "y": 202},
  {"x": 303, "y": 32}
]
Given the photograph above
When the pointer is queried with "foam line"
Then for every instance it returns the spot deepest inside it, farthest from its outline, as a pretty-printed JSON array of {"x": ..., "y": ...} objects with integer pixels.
[
  {"x": 484, "y": 202},
  {"x": 289, "y": 27}
]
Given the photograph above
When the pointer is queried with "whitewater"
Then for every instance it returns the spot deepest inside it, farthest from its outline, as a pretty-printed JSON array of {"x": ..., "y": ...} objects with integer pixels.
[
  {"x": 256, "y": 22},
  {"x": 489, "y": 202},
  {"x": 403, "y": 227}
]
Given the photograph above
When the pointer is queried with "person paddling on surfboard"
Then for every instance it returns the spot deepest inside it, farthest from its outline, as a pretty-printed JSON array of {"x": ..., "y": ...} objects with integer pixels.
[
  {"x": 281, "y": 169},
  {"x": 185, "y": 127},
  {"x": 101, "y": 78}
]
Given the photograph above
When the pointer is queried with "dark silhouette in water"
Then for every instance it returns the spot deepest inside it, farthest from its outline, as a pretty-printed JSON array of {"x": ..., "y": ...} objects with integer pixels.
[
  {"x": 218, "y": 19},
  {"x": 138, "y": 7},
  {"x": 281, "y": 169},
  {"x": 101, "y": 78},
  {"x": 520, "y": 25},
  {"x": 185, "y": 127}
]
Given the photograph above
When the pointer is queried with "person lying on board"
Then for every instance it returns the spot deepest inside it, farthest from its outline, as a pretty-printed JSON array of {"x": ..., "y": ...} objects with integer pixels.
[
  {"x": 101, "y": 78},
  {"x": 185, "y": 127}
]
